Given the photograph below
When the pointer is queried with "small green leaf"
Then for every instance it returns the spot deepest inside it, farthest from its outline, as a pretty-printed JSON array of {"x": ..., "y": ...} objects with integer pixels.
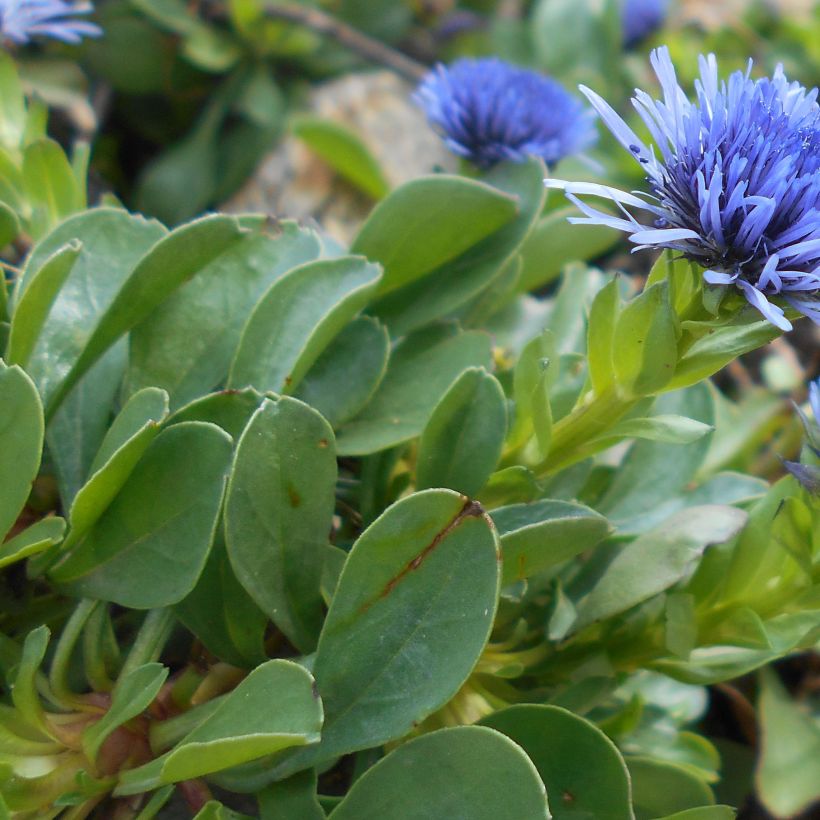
[
  {"x": 279, "y": 512},
  {"x": 581, "y": 767},
  {"x": 21, "y": 441},
  {"x": 788, "y": 769},
  {"x": 421, "y": 369},
  {"x": 344, "y": 151},
  {"x": 719, "y": 346},
  {"x": 703, "y": 813},
  {"x": 463, "y": 439},
  {"x": 292, "y": 798},
  {"x": 297, "y": 319},
  {"x": 544, "y": 533},
  {"x": 24, "y": 693},
  {"x": 33, "y": 307},
  {"x": 9, "y": 227},
  {"x": 132, "y": 554},
  {"x": 660, "y": 788},
  {"x": 130, "y": 435},
  {"x": 12, "y": 103},
  {"x": 428, "y": 221},
  {"x": 132, "y": 695},
  {"x": 272, "y": 709},
  {"x": 601, "y": 350},
  {"x": 230, "y": 409},
  {"x": 39, "y": 536},
  {"x": 50, "y": 185},
  {"x": 658, "y": 559},
  {"x": 345, "y": 377},
  {"x": 645, "y": 339},
  {"x": 468, "y": 772},
  {"x": 222, "y": 615},
  {"x": 665, "y": 428}
]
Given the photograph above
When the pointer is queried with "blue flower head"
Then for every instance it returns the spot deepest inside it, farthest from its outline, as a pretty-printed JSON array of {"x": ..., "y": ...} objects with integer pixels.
[
  {"x": 21, "y": 20},
  {"x": 488, "y": 111},
  {"x": 640, "y": 18},
  {"x": 814, "y": 400},
  {"x": 734, "y": 179}
]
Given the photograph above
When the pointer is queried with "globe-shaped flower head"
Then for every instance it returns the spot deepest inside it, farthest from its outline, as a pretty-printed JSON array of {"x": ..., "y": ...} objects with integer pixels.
[
  {"x": 488, "y": 111},
  {"x": 640, "y": 18},
  {"x": 735, "y": 179},
  {"x": 21, "y": 20}
]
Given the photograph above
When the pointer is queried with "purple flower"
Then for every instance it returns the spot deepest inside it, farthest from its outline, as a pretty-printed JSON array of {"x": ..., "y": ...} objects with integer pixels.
[
  {"x": 488, "y": 111},
  {"x": 21, "y": 20},
  {"x": 640, "y": 18},
  {"x": 735, "y": 182},
  {"x": 814, "y": 400}
]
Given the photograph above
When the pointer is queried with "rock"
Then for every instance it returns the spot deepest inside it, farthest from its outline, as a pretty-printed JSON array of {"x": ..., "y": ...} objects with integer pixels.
[{"x": 293, "y": 182}]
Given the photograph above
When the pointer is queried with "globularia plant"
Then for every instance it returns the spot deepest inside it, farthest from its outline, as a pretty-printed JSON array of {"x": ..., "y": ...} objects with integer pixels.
[{"x": 298, "y": 531}]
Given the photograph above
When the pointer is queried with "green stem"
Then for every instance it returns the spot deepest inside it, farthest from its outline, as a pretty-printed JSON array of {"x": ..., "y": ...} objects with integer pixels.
[
  {"x": 589, "y": 420},
  {"x": 150, "y": 640},
  {"x": 58, "y": 674}
]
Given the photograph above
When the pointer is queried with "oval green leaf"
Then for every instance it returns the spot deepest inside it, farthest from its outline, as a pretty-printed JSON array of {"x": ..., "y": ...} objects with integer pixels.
[{"x": 464, "y": 773}]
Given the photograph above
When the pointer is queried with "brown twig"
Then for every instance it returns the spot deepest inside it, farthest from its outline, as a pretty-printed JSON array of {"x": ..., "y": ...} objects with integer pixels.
[{"x": 372, "y": 50}]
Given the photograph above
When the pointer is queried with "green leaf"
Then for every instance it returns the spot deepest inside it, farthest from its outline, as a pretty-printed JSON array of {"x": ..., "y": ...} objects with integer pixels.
[
  {"x": 533, "y": 376},
  {"x": 788, "y": 769},
  {"x": 601, "y": 350},
  {"x": 12, "y": 103},
  {"x": 421, "y": 369},
  {"x": 291, "y": 799},
  {"x": 544, "y": 533},
  {"x": 665, "y": 428},
  {"x": 344, "y": 151},
  {"x": 581, "y": 767},
  {"x": 222, "y": 615},
  {"x": 230, "y": 409},
  {"x": 462, "y": 442},
  {"x": 21, "y": 441},
  {"x": 554, "y": 243},
  {"x": 39, "y": 536},
  {"x": 50, "y": 185},
  {"x": 297, "y": 319},
  {"x": 658, "y": 559},
  {"x": 704, "y": 813},
  {"x": 170, "y": 263},
  {"x": 464, "y": 277},
  {"x": 645, "y": 339},
  {"x": 132, "y": 554},
  {"x": 112, "y": 242},
  {"x": 130, "y": 435},
  {"x": 132, "y": 695},
  {"x": 719, "y": 346},
  {"x": 9, "y": 226},
  {"x": 428, "y": 221},
  {"x": 344, "y": 378},
  {"x": 644, "y": 482},
  {"x": 272, "y": 709},
  {"x": 410, "y": 617},
  {"x": 31, "y": 311},
  {"x": 279, "y": 511},
  {"x": 76, "y": 432},
  {"x": 214, "y": 810},
  {"x": 175, "y": 349},
  {"x": 660, "y": 788},
  {"x": 468, "y": 772},
  {"x": 24, "y": 695}
]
